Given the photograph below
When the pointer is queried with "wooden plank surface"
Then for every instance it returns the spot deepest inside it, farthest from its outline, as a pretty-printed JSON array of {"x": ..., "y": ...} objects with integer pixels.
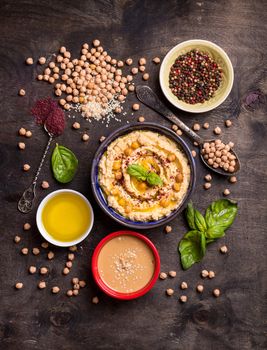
[{"x": 34, "y": 319}]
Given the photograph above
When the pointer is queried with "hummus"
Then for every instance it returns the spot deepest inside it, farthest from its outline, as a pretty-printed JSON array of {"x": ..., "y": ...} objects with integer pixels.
[{"x": 135, "y": 199}]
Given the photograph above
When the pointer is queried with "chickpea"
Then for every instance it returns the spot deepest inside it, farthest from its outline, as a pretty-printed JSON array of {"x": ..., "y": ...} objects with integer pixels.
[
  {"x": 35, "y": 251},
  {"x": 145, "y": 76},
  {"x": 174, "y": 127},
  {"x": 55, "y": 289},
  {"x": 50, "y": 255},
  {"x": 223, "y": 249},
  {"x": 75, "y": 292},
  {"x": 135, "y": 145},
  {"x": 142, "y": 61},
  {"x": 73, "y": 248},
  {"x": 200, "y": 288},
  {"x": 29, "y": 60},
  {"x": 71, "y": 256},
  {"x": 85, "y": 137},
  {"x": 177, "y": 186},
  {"x": 168, "y": 229},
  {"x": 43, "y": 270},
  {"x": 45, "y": 245},
  {"x": 22, "y": 131},
  {"x": 231, "y": 144},
  {"x": 21, "y": 145},
  {"x": 17, "y": 239},
  {"x": 217, "y": 130},
  {"x": 66, "y": 271},
  {"x": 26, "y": 167},
  {"x": 172, "y": 274},
  {"x": 69, "y": 293},
  {"x": 22, "y": 92},
  {"x": 194, "y": 153},
  {"x": 169, "y": 292},
  {"x": 69, "y": 264},
  {"x": 196, "y": 127},
  {"x": 228, "y": 123},
  {"x": 141, "y": 119},
  {"x": 233, "y": 179},
  {"x": 76, "y": 286},
  {"x": 75, "y": 280},
  {"x": 45, "y": 185},
  {"x": 216, "y": 292},
  {"x": 208, "y": 177},
  {"x": 95, "y": 300},
  {"x": 211, "y": 274},
  {"x": 163, "y": 276},
  {"x": 96, "y": 43},
  {"x": 40, "y": 77},
  {"x": 32, "y": 269},
  {"x": 128, "y": 151},
  {"x": 179, "y": 177},
  {"x": 184, "y": 285},
  {"x": 204, "y": 273},
  {"x": 206, "y": 125},
  {"x": 86, "y": 46},
  {"x": 131, "y": 88},
  {"x": 129, "y": 61},
  {"x": 42, "y": 285},
  {"x": 102, "y": 138},
  {"x": 226, "y": 192},
  {"x": 156, "y": 60},
  {"x": 42, "y": 60},
  {"x": 19, "y": 285},
  {"x": 134, "y": 70},
  {"x": 183, "y": 298},
  {"x": 26, "y": 226},
  {"x": 82, "y": 283},
  {"x": 164, "y": 202},
  {"x": 135, "y": 107},
  {"x": 117, "y": 110},
  {"x": 118, "y": 175},
  {"x": 171, "y": 157}
]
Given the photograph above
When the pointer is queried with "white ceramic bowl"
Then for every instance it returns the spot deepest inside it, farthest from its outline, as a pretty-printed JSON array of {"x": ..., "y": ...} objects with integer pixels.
[
  {"x": 42, "y": 229},
  {"x": 218, "y": 54}
]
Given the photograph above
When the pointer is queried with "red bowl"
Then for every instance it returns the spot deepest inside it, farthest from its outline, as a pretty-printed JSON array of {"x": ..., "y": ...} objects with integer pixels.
[{"x": 111, "y": 292}]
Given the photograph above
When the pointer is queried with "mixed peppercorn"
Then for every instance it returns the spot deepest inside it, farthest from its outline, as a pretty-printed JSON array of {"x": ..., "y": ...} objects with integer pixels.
[{"x": 194, "y": 77}]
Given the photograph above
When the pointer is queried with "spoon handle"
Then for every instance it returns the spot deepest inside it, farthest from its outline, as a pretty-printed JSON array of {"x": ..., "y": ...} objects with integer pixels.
[
  {"x": 25, "y": 203},
  {"x": 146, "y": 95}
]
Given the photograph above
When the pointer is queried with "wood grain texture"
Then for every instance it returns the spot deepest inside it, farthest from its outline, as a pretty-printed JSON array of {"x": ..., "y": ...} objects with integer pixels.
[{"x": 34, "y": 319}]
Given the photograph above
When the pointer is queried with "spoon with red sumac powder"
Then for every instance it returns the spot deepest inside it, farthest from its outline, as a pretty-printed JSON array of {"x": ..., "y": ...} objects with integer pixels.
[
  {"x": 217, "y": 156},
  {"x": 47, "y": 113}
]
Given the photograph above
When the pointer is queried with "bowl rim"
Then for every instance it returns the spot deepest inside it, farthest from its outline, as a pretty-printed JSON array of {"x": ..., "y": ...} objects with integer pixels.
[
  {"x": 119, "y": 132},
  {"x": 196, "y": 42},
  {"x": 111, "y": 292},
  {"x": 42, "y": 229}
]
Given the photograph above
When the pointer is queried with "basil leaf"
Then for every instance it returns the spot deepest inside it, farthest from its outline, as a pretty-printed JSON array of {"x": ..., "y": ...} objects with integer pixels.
[
  {"x": 192, "y": 248},
  {"x": 137, "y": 171},
  {"x": 64, "y": 164},
  {"x": 190, "y": 216},
  {"x": 214, "y": 232},
  {"x": 154, "y": 180},
  {"x": 200, "y": 221},
  {"x": 221, "y": 213}
]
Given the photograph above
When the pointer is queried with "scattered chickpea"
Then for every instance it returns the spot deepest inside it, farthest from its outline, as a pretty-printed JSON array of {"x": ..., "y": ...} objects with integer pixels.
[
  {"x": 194, "y": 153},
  {"x": 216, "y": 292},
  {"x": 43, "y": 270},
  {"x": 196, "y": 127},
  {"x": 163, "y": 275},
  {"x": 169, "y": 291},
  {"x": 117, "y": 110},
  {"x": 131, "y": 87},
  {"x": 141, "y": 119},
  {"x": 75, "y": 292},
  {"x": 42, "y": 60},
  {"x": 168, "y": 229},
  {"x": 183, "y": 285},
  {"x": 211, "y": 274},
  {"x": 145, "y": 76},
  {"x": 69, "y": 264},
  {"x": 22, "y": 131},
  {"x": 200, "y": 288},
  {"x": 195, "y": 143},
  {"x": 22, "y": 92},
  {"x": 174, "y": 127},
  {"x": 217, "y": 130},
  {"x": 156, "y": 60},
  {"x": 29, "y": 61},
  {"x": 179, "y": 132},
  {"x": 142, "y": 61},
  {"x": 69, "y": 293},
  {"x": 32, "y": 269},
  {"x": 42, "y": 285},
  {"x": 76, "y": 286},
  {"x": 26, "y": 226},
  {"x": 85, "y": 137},
  {"x": 224, "y": 249},
  {"x": 142, "y": 69},
  {"x": 75, "y": 280},
  {"x": 233, "y": 179},
  {"x": 134, "y": 70},
  {"x": 129, "y": 61},
  {"x": 228, "y": 123},
  {"x": 76, "y": 125},
  {"x": 55, "y": 289},
  {"x": 135, "y": 107},
  {"x": 183, "y": 298},
  {"x": 66, "y": 271},
  {"x": 95, "y": 300},
  {"x": 208, "y": 177},
  {"x": 96, "y": 42},
  {"x": 24, "y": 251},
  {"x": 102, "y": 138},
  {"x": 204, "y": 273},
  {"x": 207, "y": 185},
  {"x": 19, "y": 285},
  {"x": 73, "y": 248},
  {"x": 206, "y": 125},
  {"x": 172, "y": 274},
  {"x": 45, "y": 245},
  {"x": 226, "y": 192},
  {"x": 26, "y": 167},
  {"x": 50, "y": 255},
  {"x": 35, "y": 251},
  {"x": 45, "y": 185},
  {"x": 40, "y": 77},
  {"x": 21, "y": 145},
  {"x": 82, "y": 283},
  {"x": 28, "y": 134},
  {"x": 71, "y": 256},
  {"x": 17, "y": 239}
]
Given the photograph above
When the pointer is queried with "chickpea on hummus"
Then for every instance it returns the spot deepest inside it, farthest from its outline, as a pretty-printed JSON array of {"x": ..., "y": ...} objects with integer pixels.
[{"x": 160, "y": 185}]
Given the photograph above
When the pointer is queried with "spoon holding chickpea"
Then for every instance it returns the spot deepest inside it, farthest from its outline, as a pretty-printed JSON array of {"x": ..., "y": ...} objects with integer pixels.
[{"x": 217, "y": 156}]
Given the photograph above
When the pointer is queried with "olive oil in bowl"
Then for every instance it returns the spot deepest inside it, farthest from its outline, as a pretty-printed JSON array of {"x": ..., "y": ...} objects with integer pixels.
[{"x": 65, "y": 217}]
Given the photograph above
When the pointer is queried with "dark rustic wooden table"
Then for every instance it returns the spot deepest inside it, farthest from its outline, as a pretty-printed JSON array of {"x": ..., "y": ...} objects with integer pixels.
[{"x": 36, "y": 319}]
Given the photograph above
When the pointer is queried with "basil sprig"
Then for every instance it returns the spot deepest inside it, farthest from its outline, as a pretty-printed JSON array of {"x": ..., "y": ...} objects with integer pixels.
[
  {"x": 219, "y": 217},
  {"x": 64, "y": 164},
  {"x": 142, "y": 174}
]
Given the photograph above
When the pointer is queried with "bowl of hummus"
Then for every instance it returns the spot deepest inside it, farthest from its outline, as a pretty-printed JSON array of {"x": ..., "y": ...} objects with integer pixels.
[{"x": 143, "y": 175}]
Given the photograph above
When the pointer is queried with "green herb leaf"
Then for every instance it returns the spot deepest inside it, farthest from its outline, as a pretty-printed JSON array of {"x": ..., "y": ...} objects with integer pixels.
[
  {"x": 192, "y": 248},
  {"x": 153, "y": 179},
  {"x": 190, "y": 216},
  {"x": 137, "y": 171},
  {"x": 200, "y": 221},
  {"x": 221, "y": 213},
  {"x": 64, "y": 164},
  {"x": 214, "y": 232}
]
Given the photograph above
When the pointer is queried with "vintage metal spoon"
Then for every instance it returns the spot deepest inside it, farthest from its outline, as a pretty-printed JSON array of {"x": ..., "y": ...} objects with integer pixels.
[
  {"x": 147, "y": 96},
  {"x": 25, "y": 203}
]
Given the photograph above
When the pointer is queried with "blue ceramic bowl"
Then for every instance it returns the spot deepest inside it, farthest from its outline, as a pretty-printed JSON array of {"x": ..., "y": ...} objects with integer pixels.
[{"x": 99, "y": 196}]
